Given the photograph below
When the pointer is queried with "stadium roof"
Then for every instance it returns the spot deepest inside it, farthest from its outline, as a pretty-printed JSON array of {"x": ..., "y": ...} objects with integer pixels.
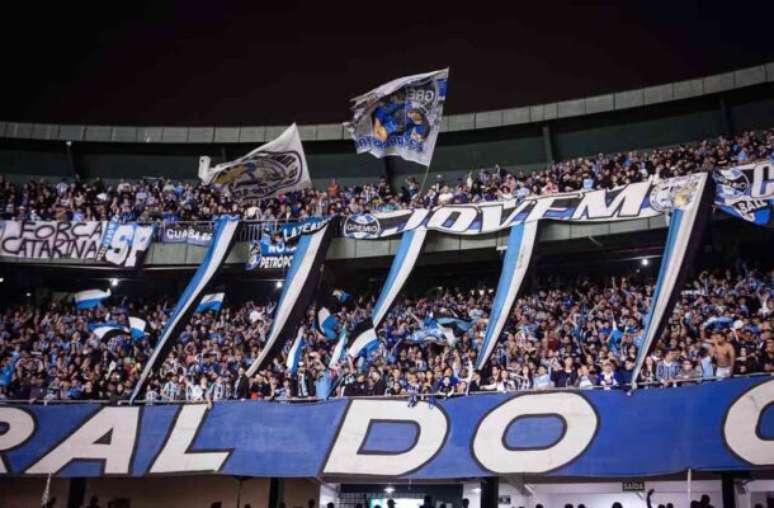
[
  {"x": 626, "y": 99},
  {"x": 188, "y": 64}
]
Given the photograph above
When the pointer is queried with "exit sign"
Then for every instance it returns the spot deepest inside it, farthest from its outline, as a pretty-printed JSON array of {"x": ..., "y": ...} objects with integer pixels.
[{"x": 633, "y": 486}]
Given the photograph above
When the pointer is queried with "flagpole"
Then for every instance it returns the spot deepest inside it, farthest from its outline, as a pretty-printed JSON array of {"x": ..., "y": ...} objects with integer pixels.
[{"x": 424, "y": 179}]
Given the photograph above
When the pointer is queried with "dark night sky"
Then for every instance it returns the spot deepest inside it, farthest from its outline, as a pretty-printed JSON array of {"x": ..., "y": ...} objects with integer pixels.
[{"x": 263, "y": 62}]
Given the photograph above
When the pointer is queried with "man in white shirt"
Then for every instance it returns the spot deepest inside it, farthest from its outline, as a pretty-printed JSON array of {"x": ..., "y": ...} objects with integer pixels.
[
  {"x": 195, "y": 391},
  {"x": 171, "y": 389}
]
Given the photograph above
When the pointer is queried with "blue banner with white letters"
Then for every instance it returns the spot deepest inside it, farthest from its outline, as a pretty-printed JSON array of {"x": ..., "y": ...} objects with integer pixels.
[
  {"x": 721, "y": 426},
  {"x": 275, "y": 249}
]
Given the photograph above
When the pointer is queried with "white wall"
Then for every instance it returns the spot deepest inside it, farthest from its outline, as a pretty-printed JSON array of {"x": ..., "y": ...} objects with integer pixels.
[
  {"x": 200, "y": 491},
  {"x": 755, "y": 492},
  {"x": 329, "y": 493},
  {"x": 472, "y": 491},
  {"x": 603, "y": 495}
]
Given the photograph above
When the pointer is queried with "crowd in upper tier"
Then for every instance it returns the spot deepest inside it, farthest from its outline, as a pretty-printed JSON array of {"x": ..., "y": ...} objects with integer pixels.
[
  {"x": 579, "y": 334},
  {"x": 164, "y": 200}
]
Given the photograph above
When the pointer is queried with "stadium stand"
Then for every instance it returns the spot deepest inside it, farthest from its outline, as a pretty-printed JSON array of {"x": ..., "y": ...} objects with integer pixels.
[
  {"x": 566, "y": 334},
  {"x": 559, "y": 384},
  {"x": 171, "y": 201}
]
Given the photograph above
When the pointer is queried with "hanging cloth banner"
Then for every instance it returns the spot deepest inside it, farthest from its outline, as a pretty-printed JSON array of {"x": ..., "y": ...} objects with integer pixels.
[
  {"x": 517, "y": 257},
  {"x": 408, "y": 252},
  {"x": 747, "y": 192},
  {"x": 364, "y": 336},
  {"x": 298, "y": 291},
  {"x": 692, "y": 201},
  {"x": 223, "y": 240},
  {"x": 639, "y": 200}
]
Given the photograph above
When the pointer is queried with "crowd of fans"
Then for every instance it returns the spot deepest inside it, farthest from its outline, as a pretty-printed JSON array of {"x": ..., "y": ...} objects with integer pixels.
[
  {"x": 579, "y": 334},
  {"x": 582, "y": 333},
  {"x": 163, "y": 200}
]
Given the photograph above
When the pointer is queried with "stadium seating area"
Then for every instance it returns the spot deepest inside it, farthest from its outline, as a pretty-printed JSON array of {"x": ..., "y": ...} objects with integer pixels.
[
  {"x": 160, "y": 200},
  {"x": 580, "y": 333},
  {"x": 567, "y": 334}
]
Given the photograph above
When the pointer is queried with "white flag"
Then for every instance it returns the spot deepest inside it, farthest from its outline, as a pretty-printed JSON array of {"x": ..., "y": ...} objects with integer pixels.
[
  {"x": 276, "y": 167},
  {"x": 401, "y": 117}
]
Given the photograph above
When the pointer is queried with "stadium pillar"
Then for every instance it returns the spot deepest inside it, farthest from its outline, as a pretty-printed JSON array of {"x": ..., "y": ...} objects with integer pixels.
[
  {"x": 275, "y": 492},
  {"x": 390, "y": 164},
  {"x": 71, "y": 157},
  {"x": 548, "y": 144},
  {"x": 729, "y": 494},
  {"x": 725, "y": 119},
  {"x": 490, "y": 490},
  {"x": 76, "y": 496}
]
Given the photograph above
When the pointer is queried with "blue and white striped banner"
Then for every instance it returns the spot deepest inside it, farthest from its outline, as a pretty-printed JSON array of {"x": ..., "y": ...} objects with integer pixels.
[
  {"x": 90, "y": 298},
  {"x": 517, "y": 257},
  {"x": 298, "y": 291},
  {"x": 222, "y": 241},
  {"x": 685, "y": 229},
  {"x": 408, "y": 252}
]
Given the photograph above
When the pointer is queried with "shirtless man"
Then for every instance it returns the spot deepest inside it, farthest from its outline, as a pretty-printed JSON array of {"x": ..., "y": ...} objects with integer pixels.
[{"x": 725, "y": 355}]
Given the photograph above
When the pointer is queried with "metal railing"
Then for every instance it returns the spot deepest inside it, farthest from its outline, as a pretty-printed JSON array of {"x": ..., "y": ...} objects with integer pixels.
[
  {"x": 249, "y": 230},
  {"x": 425, "y": 397}
]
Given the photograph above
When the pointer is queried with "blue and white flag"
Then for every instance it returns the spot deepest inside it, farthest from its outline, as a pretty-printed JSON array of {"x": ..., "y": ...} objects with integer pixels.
[
  {"x": 137, "y": 327},
  {"x": 327, "y": 323},
  {"x": 338, "y": 352},
  {"x": 400, "y": 118},
  {"x": 365, "y": 339},
  {"x": 459, "y": 325},
  {"x": 210, "y": 302},
  {"x": 341, "y": 295},
  {"x": 747, "y": 192},
  {"x": 521, "y": 243},
  {"x": 107, "y": 330},
  {"x": 276, "y": 167},
  {"x": 90, "y": 298},
  {"x": 719, "y": 322},
  {"x": 296, "y": 352},
  {"x": 436, "y": 334},
  {"x": 330, "y": 302}
]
